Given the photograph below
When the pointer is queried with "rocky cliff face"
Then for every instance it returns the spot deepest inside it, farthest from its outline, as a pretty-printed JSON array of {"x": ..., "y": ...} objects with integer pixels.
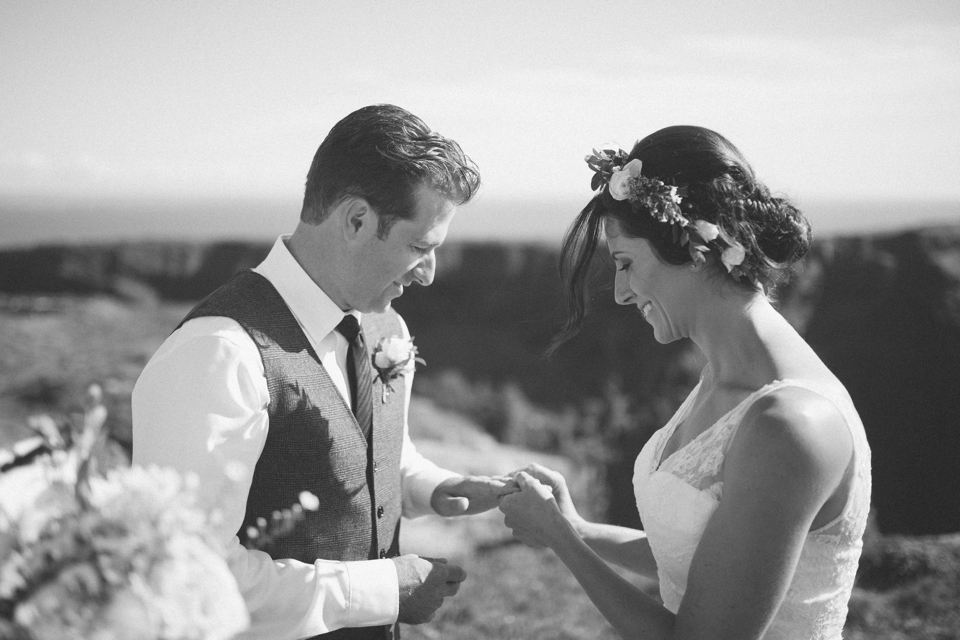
[
  {"x": 882, "y": 311},
  {"x": 168, "y": 270},
  {"x": 884, "y": 314}
]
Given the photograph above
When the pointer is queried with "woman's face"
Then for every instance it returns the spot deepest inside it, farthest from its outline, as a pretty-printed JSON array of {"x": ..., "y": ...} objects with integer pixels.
[{"x": 644, "y": 281}]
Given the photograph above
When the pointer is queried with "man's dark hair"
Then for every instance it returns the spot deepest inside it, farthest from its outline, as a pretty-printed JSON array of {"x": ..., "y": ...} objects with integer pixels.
[{"x": 384, "y": 154}]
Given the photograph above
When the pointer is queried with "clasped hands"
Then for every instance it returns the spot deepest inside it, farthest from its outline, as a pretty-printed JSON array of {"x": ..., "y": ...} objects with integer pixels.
[
  {"x": 540, "y": 508},
  {"x": 533, "y": 499}
]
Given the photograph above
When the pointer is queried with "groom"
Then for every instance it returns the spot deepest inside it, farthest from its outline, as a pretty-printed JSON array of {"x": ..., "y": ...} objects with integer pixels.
[{"x": 266, "y": 390}]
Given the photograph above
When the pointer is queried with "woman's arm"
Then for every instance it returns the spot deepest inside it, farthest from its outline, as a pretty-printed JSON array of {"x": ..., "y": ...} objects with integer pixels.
[
  {"x": 536, "y": 520},
  {"x": 622, "y": 546},
  {"x": 787, "y": 459},
  {"x": 785, "y": 462}
]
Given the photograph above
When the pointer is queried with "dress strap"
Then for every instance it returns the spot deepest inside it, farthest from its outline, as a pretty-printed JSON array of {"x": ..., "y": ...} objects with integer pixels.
[{"x": 741, "y": 410}]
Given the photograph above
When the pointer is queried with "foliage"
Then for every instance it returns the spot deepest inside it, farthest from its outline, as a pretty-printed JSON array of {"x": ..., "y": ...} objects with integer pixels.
[
  {"x": 604, "y": 163},
  {"x": 907, "y": 588}
]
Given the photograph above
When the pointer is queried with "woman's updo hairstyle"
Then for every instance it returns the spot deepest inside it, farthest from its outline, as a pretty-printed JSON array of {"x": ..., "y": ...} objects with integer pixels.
[{"x": 721, "y": 188}]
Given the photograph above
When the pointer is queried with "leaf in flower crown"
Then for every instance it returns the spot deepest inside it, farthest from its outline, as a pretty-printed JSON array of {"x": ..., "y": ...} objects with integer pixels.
[
  {"x": 684, "y": 238},
  {"x": 697, "y": 250},
  {"x": 596, "y": 182}
]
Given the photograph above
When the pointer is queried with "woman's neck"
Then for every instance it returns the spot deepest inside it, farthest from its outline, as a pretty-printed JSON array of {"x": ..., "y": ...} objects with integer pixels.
[{"x": 741, "y": 336}]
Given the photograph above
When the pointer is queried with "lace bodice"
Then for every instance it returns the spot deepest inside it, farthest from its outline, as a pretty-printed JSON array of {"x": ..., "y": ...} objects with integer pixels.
[{"x": 677, "y": 496}]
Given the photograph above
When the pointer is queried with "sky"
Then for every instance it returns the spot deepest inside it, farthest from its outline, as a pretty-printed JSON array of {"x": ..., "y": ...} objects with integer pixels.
[{"x": 224, "y": 103}]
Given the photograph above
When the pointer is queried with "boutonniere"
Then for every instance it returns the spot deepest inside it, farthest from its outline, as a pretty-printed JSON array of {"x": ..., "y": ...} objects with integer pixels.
[{"x": 394, "y": 357}]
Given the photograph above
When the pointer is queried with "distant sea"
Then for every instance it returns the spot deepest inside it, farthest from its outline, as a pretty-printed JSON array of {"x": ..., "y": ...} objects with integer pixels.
[{"x": 26, "y": 221}]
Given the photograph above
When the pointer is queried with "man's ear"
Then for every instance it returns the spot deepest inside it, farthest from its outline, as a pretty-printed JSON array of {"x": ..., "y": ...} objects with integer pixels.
[{"x": 357, "y": 218}]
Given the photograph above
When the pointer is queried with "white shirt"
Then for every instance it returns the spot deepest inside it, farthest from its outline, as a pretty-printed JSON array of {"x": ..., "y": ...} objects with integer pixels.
[{"x": 200, "y": 405}]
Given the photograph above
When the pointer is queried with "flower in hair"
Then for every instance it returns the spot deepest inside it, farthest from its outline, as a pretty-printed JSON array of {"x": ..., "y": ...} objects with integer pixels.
[
  {"x": 661, "y": 200},
  {"x": 707, "y": 231},
  {"x": 733, "y": 256},
  {"x": 624, "y": 181},
  {"x": 619, "y": 183},
  {"x": 604, "y": 163},
  {"x": 698, "y": 235}
]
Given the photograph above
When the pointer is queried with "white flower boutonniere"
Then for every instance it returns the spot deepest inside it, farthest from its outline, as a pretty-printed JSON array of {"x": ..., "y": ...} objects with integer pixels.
[{"x": 394, "y": 357}]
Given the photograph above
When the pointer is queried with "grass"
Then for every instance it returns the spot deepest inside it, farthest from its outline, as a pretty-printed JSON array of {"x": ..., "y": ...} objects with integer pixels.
[{"x": 515, "y": 592}]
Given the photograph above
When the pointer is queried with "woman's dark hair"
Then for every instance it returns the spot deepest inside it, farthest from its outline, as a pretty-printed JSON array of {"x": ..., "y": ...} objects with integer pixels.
[
  {"x": 721, "y": 188},
  {"x": 383, "y": 153}
]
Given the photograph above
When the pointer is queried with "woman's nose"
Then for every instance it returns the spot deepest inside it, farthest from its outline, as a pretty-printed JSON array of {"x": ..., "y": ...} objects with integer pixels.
[{"x": 621, "y": 289}]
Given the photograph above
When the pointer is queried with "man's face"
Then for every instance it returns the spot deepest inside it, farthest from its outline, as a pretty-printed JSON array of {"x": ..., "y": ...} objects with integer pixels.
[{"x": 383, "y": 267}]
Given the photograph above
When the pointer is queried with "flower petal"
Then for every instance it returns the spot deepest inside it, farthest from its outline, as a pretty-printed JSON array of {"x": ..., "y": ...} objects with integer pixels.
[
  {"x": 706, "y": 230},
  {"x": 733, "y": 255},
  {"x": 633, "y": 167},
  {"x": 619, "y": 185}
]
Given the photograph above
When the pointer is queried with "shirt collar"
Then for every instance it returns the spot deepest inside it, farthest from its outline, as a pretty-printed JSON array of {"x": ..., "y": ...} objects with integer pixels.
[{"x": 313, "y": 309}]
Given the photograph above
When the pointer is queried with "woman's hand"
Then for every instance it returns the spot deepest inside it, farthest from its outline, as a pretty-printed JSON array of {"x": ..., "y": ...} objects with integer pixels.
[
  {"x": 533, "y": 513},
  {"x": 558, "y": 485}
]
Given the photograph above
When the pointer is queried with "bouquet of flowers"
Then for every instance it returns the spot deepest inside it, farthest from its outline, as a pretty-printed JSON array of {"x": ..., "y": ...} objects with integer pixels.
[{"x": 125, "y": 555}]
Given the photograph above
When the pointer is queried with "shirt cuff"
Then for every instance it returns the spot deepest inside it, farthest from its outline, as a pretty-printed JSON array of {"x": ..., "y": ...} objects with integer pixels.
[{"x": 374, "y": 593}]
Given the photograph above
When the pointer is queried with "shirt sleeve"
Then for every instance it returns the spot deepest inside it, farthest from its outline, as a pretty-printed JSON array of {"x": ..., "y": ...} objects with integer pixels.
[
  {"x": 419, "y": 477},
  {"x": 200, "y": 406}
]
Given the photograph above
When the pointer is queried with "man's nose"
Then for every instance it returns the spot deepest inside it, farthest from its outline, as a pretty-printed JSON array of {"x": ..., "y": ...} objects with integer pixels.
[{"x": 426, "y": 269}]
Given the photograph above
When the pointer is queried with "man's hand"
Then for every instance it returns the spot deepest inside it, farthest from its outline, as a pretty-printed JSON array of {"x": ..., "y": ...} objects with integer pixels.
[
  {"x": 424, "y": 583},
  {"x": 466, "y": 495}
]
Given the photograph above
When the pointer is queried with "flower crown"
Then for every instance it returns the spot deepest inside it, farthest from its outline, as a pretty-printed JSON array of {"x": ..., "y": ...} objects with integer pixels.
[{"x": 623, "y": 182}]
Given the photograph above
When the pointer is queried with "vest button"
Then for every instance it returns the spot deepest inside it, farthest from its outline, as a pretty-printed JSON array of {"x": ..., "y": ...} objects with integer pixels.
[
  {"x": 375, "y": 466},
  {"x": 383, "y": 553},
  {"x": 379, "y": 512}
]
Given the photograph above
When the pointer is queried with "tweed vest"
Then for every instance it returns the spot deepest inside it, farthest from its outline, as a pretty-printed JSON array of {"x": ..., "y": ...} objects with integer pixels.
[{"x": 314, "y": 442}]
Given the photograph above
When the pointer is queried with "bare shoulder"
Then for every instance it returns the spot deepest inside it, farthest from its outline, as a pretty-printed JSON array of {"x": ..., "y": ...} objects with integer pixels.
[{"x": 794, "y": 430}]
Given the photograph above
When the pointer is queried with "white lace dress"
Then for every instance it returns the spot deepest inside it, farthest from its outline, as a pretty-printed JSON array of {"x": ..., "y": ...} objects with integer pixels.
[{"x": 677, "y": 496}]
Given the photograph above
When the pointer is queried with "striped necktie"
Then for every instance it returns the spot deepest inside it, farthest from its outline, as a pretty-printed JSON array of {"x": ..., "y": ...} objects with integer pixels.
[{"x": 359, "y": 373}]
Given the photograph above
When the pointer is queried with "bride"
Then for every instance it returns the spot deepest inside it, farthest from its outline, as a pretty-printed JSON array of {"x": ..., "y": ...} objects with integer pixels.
[{"x": 754, "y": 496}]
